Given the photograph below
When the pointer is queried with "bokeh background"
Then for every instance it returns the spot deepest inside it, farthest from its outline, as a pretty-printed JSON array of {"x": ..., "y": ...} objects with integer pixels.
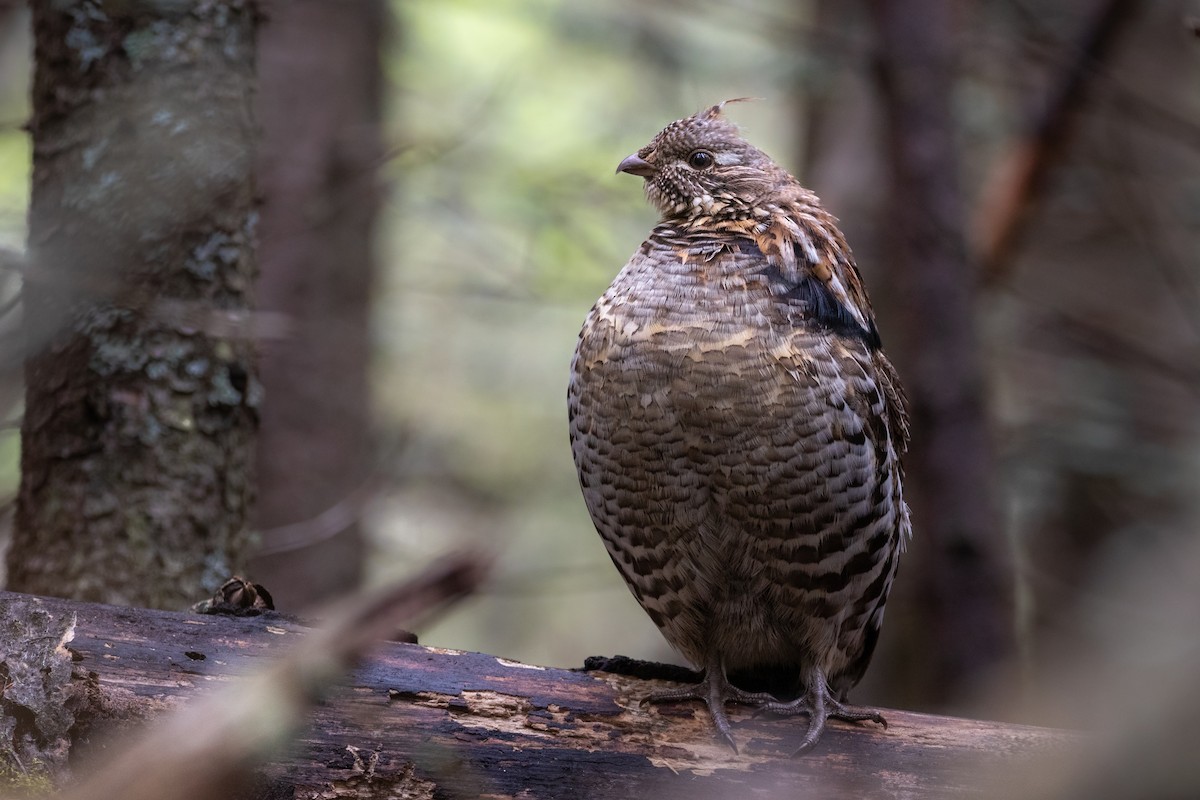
[{"x": 499, "y": 221}]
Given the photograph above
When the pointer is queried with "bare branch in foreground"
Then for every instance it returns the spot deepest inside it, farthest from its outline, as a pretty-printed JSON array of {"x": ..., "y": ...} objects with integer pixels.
[{"x": 202, "y": 751}]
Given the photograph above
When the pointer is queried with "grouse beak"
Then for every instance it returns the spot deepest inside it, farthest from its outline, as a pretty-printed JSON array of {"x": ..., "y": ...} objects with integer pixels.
[{"x": 636, "y": 165}]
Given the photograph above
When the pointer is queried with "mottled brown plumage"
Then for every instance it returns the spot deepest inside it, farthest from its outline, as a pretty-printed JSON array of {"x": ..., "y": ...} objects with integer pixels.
[{"x": 737, "y": 430}]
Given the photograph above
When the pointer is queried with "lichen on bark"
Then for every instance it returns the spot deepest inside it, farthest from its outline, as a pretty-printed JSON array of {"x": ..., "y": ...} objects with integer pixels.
[
  {"x": 35, "y": 684},
  {"x": 141, "y": 406}
]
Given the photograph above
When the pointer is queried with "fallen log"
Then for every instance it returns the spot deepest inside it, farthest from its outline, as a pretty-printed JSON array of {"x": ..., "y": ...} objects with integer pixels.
[{"x": 416, "y": 721}]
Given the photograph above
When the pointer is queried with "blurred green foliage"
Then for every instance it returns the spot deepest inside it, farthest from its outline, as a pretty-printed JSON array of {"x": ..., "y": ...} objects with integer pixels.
[
  {"x": 15, "y": 158},
  {"x": 506, "y": 223}
]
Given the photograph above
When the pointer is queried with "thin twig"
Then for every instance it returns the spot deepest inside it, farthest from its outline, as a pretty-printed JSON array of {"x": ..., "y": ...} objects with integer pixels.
[
  {"x": 1103, "y": 342},
  {"x": 1161, "y": 242},
  {"x": 222, "y": 323},
  {"x": 314, "y": 530},
  {"x": 11, "y": 303},
  {"x": 12, "y": 260}
]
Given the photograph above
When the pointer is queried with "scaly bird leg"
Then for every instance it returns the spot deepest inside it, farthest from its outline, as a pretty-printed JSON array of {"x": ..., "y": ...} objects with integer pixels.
[
  {"x": 820, "y": 705},
  {"x": 715, "y": 690}
]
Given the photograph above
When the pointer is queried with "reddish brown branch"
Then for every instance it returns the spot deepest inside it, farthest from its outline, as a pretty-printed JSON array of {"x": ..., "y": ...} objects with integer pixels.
[{"x": 1018, "y": 181}]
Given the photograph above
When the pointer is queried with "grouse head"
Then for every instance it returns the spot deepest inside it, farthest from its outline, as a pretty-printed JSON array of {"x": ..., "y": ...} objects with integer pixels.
[{"x": 700, "y": 168}]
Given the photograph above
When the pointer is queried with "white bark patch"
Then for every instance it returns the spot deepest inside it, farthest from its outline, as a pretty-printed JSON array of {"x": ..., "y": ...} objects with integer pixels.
[{"x": 504, "y": 662}]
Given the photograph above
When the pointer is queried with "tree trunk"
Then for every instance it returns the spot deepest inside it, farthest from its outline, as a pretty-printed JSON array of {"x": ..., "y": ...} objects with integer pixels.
[
  {"x": 959, "y": 565},
  {"x": 428, "y": 722},
  {"x": 319, "y": 103},
  {"x": 141, "y": 398}
]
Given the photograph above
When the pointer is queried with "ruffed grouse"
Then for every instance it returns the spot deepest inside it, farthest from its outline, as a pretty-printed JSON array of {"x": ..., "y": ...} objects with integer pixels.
[{"x": 737, "y": 431}]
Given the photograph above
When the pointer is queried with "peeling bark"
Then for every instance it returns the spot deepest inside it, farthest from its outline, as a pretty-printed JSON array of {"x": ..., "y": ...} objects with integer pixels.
[
  {"x": 35, "y": 690},
  {"x": 141, "y": 398}
]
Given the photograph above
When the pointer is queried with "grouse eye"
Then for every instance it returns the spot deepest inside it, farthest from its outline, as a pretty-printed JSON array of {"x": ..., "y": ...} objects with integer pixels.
[{"x": 701, "y": 159}]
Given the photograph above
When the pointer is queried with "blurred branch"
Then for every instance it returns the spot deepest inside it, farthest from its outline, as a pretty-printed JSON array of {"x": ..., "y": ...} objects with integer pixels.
[
  {"x": 1018, "y": 181},
  {"x": 1100, "y": 340},
  {"x": 1143, "y": 212},
  {"x": 10, "y": 304},
  {"x": 314, "y": 530},
  {"x": 219, "y": 323},
  {"x": 217, "y": 742},
  {"x": 1151, "y": 115}
]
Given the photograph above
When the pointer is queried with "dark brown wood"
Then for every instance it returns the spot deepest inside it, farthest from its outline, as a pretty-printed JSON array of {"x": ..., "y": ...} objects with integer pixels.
[
  {"x": 958, "y": 568},
  {"x": 415, "y": 721},
  {"x": 319, "y": 103}
]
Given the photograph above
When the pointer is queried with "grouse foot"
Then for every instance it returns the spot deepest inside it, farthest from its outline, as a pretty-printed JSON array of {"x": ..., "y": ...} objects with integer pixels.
[
  {"x": 716, "y": 690},
  {"x": 820, "y": 705}
]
